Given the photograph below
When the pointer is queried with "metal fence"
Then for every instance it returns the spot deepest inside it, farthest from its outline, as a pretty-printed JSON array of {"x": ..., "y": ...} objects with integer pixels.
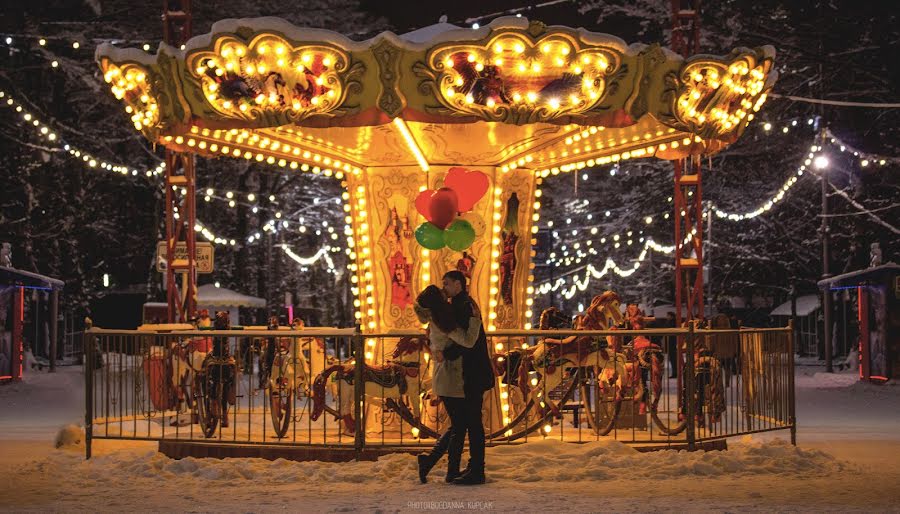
[{"x": 644, "y": 387}]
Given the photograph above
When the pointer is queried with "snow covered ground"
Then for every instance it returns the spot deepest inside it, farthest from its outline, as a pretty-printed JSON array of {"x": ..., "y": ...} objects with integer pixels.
[{"x": 848, "y": 460}]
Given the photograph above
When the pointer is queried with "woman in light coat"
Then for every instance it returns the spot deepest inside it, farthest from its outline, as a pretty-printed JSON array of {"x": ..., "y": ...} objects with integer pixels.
[{"x": 447, "y": 376}]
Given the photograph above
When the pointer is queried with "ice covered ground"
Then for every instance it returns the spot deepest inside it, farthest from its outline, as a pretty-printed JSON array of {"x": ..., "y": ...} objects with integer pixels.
[{"x": 848, "y": 460}]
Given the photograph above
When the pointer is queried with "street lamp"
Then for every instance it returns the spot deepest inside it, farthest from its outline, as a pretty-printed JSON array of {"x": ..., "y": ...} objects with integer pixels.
[{"x": 820, "y": 162}]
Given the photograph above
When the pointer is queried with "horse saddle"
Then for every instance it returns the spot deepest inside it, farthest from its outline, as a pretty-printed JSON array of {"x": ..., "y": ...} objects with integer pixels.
[
  {"x": 578, "y": 350},
  {"x": 392, "y": 374}
]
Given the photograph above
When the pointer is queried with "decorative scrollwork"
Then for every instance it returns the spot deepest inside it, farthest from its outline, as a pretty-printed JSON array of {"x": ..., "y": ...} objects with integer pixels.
[
  {"x": 716, "y": 97},
  {"x": 269, "y": 79},
  {"x": 130, "y": 82},
  {"x": 515, "y": 78}
]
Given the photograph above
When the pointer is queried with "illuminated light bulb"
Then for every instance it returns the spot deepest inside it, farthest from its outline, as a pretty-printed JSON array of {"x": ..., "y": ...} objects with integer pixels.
[
  {"x": 554, "y": 103},
  {"x": 517, "y": 97},
  {"x": 479, "y": 67},
  {"x": 519, "y": 48},
  {"x": 532, "y": 96},
  {"x": 535, "y": 67}
]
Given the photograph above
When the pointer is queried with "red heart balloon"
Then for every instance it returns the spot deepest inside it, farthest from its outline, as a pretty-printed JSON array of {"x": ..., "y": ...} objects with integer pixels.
[
  {"x": 423, "y": 203},
  {"x": 470, "y": 186},
  {"x": 444, "y": 206}
]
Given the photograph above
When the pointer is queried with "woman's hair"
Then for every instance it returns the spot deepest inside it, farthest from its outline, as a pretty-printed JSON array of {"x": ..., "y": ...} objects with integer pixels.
[{"x": 441, "y": 313}]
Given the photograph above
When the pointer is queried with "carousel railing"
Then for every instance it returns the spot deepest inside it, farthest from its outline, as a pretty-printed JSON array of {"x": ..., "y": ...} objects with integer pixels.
[{"x": 574, "y": 386}]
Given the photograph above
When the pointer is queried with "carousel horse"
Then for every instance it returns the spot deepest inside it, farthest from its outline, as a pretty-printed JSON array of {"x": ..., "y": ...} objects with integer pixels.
[
  {"x": 645, "y": 360},
  {"x": 404, "y": 375},
  {"x": 551, "y": 357},
  {"x": 186, "y": 360}
]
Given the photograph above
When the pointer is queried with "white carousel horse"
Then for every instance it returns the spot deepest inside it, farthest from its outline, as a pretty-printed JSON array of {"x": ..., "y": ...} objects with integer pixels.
[
  {"x": 299, "y": 371},
  {"x": 405, "y": 375}
]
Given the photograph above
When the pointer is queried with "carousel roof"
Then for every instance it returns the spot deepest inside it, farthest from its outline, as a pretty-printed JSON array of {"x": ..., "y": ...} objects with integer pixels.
[{"x": 512, "y": 94}]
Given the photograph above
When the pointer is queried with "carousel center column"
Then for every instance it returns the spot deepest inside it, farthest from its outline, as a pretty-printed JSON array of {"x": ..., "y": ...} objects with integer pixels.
[{"x": 391, "y": 268}]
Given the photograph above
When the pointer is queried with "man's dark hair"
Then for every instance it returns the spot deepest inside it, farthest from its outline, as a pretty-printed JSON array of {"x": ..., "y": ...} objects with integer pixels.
[{"x": 457, "y": 276}]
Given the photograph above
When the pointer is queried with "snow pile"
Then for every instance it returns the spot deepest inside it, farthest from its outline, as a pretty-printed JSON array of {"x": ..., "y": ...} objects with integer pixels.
[
  {"x": 552, "y": 460},
  {"x": 69, "y": 436},
  {"x": 822, "y": 380},
  {"x": 547, "y": 460}
]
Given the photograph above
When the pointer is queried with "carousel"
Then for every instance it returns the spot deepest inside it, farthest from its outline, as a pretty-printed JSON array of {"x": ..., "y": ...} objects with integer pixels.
[{"x": 441, "y": 139}]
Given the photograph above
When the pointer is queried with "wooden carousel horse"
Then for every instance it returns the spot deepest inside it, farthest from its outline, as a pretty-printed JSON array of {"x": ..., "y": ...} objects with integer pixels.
[
  {"x": 404, "y": 375},
  {"x": 551, "y": 357}
]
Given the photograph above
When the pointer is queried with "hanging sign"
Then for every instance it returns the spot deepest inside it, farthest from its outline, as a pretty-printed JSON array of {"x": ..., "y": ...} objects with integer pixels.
[{"x": 203, "y": 251}]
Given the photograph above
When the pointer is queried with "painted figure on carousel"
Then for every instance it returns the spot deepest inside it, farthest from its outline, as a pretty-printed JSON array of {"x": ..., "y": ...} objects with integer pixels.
[
  {"x": 398, "y": 234},
  {"x": 466, "y": 264},
  {"x": 204, "y": 321},
  {"x": 509, "y": 239}
]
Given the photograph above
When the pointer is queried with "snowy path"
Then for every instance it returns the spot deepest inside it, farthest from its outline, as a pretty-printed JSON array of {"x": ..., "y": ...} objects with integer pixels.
[{"x": 848, "y": 460}]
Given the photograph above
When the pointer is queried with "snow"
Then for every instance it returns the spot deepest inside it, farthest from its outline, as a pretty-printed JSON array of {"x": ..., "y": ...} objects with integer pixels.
[
  {"x": 846, "y": 462},
  {"x": 805, "y": 305},
  {"x": 209, "y": 294}
]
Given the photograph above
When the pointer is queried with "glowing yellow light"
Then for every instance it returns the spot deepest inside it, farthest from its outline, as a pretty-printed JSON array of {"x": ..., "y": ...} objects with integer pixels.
[{"x": 411, "y": 143}]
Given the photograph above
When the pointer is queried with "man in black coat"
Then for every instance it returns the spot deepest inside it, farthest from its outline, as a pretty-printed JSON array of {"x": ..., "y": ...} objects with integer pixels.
[{"x": 478, "y": 374}]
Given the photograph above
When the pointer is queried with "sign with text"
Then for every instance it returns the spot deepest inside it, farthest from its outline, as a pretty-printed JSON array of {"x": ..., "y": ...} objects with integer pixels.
[{"x": 204, "y": 256}]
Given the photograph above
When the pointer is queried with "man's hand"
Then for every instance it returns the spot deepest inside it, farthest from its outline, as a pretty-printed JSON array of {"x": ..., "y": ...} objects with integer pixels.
[{"x": 439, "y": 356}]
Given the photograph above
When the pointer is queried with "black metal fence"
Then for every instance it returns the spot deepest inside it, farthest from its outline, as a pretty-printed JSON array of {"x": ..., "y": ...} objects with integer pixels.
[{"x": 310, "y": 388}]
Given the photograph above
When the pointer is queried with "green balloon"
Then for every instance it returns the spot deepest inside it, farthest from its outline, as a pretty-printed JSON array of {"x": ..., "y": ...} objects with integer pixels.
[
  {"x": 459, "y": 235},
  {"x": 429, "y": 236}
]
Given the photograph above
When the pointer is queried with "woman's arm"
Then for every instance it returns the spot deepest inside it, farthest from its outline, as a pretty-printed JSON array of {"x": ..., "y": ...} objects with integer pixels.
[{"x": 461, "y": 340}]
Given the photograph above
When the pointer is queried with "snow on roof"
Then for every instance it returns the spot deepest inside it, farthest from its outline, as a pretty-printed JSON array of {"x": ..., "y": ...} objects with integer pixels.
[
  {"x": 428, "y": 33},
  {"x": 209, "y": 294},
  {"x": 11, "y": 276},
  {"x": 806, "y": 304},
  {"x": 860, "y": 277}
]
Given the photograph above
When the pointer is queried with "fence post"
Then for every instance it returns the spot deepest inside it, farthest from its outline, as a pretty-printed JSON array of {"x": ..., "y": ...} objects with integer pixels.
[
  {"x": 359, "y": 440},
  {"x": 792, "y": 399},
  {"x": 88, "y": 347},
  {"x": 689, "y": 384}
]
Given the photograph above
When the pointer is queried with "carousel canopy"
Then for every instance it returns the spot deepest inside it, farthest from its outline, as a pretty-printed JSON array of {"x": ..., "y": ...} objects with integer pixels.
[{"x": 514, "y": 94}]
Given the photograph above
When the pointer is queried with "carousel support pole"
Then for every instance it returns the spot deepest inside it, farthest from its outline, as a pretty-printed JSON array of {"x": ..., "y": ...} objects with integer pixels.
[{"x": 180, "y": 215}]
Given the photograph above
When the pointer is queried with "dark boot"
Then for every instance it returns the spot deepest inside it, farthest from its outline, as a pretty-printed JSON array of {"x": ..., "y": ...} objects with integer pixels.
[
  {"x": 452, "y": 475},
  {"x": 426, "y": 461},
  {"x": 472, "y": 477},
  {"x": 453, "y": 460}
]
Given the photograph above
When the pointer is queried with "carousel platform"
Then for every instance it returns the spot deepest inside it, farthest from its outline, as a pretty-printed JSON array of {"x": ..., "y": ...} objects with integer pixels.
[{"x": 179, "y": 449}]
